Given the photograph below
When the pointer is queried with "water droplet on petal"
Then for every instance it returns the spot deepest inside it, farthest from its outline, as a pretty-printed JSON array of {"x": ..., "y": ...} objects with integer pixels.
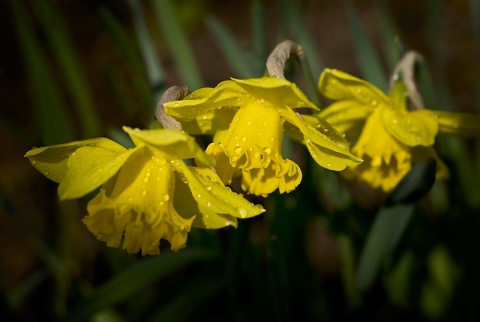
[
  {"x": 209, "y": 188},
  {"x": 242, "y": 212},
  {"x": 47, "y": 173},
  {"x": 268, "y": 151},
  {"x": 199, "y": 196},
  {"x": 238, "y": 150},
  {"x": 244, "y": 139},
  {"x": 166, "y": 197},
  {"x": 209, "y": 204},
  {"x": 34, "y": 162}
]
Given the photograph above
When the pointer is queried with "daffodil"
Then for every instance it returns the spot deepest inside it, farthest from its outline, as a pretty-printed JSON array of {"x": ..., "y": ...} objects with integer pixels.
[
  {"x": 248, "y": 117},
  {"x": 147, "y": 193},
  {"x": 388, "y": 136}
]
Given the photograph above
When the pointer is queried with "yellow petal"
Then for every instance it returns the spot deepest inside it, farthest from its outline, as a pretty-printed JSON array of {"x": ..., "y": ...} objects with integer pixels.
[
  {"x": 188, "y": 207},
  {"x": 205, "y": 100},
  {"x": 276, "y": 91},
  {"x": 51, "y": 161},
  {"x": 345, "y": 114},
  {"x": 338, "y": 85},
  {"x": 323, "y": 143},
  {"x": 210, "y": 123},
  {"x": 462, "y": 124},
  {"x": 88, "y": 168},
  {"x": 176, "y": 144},
  {"x": 411, "y": 128},
  {"x": 209, "y": 191}
]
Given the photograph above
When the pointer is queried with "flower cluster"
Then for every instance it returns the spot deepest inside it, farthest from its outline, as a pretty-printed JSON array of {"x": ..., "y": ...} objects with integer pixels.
[{"x": 149, "y": 192}]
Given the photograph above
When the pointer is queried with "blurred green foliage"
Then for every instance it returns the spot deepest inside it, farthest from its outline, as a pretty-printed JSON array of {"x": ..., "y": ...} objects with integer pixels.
[{"x": 327, "y": 251}]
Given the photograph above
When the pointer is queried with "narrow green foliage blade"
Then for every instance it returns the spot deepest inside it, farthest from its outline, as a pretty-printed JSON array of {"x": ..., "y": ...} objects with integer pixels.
[
  {"x": 259, "y": 30},
  {"x": 387, "y": 229},
  {"x": 367, "y": 59},
  {"x": 65, "y": 53},
  {"x": 50, "y": 111},
  {"x": 178, "y": 44},
  {"x": 135, "y": 279},
  {"x": 238, "y": 58},
  {"x": 416, "y": 184}
]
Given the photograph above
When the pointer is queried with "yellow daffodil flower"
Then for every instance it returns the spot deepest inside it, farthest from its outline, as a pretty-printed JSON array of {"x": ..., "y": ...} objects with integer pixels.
[
  {"x": 147, "y": 192},
  {"x": 388, "y": 137},
  {"x": 248, "y": 118}
]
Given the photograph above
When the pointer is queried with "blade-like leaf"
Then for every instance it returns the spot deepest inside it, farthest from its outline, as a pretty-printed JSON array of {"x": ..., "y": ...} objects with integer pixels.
[
  {"x": 177, "y": 42},
  {"x": 416, "y": 184},
  {"x": 50, "y": 112},
  {"x": 238, "y": 58},
  {"x": 367, "y": 59},
  {"x": 65, "y": 53},
  {"x": 136, "y": 278},
  {"x": 387, "y": 229}
]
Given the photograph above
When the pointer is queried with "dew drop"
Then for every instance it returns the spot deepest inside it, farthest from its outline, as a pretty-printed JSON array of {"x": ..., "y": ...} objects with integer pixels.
[
  {"x": 166, "y": 197},
  {"x": 244, "y": 139},
  {"x": 145, "y": 179},
  {"x": 161, "y": 203},
  {"x": 47, "y": 173},
  {"x": 209, "y": 204},
  {"x": 268, "y": 151},
  {"x": 256, "y": 155},
  {"x": 209, "y": 188},
  {"x": 242, "y": 212},
  {"x": 249, "y": 123},
  {"x": 34, "y": 162},
  {"x": 199, "y": 196},
  {"x": 162, "y": 161},
  {"x": 238, "y": 150}
]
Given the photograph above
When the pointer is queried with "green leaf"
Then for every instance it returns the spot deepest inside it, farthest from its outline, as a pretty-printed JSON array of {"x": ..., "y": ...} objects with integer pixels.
[
  {"x": 259, "y": 30},
  {"x": 193, "y": 297},
  {"x": 367, "y": 59},
  {"x": 177, "y": 42},
  {"x": 65, "y": 53},
  {"x": 310, "y": 61},
  {"x": 153, "y": 66},
  {"x": 238, "y": 57},
  {"x": 387, "y": 229},
  {"x": 50, "y": 111},
  {"x": 391, "y": 44},
  {"x": 135, "y": 279},
  {"x": 278, "y": 281},
  {"x": 416, "y": 184}
]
